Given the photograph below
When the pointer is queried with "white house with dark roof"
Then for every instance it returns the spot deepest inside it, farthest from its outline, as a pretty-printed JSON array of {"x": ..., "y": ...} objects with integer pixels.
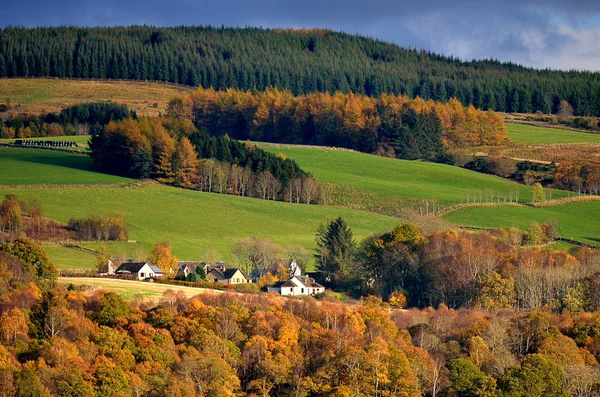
[
  {"x": 297, "y": 285},
  {"x": 139, "y": 270}
]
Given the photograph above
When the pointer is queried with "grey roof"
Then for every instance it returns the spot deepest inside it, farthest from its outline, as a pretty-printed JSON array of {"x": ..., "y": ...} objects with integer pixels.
[{"x": 156, "y": 269}]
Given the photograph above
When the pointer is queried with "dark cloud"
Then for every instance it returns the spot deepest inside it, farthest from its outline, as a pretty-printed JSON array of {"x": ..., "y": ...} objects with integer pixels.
[{"x": 541, "y": 33}]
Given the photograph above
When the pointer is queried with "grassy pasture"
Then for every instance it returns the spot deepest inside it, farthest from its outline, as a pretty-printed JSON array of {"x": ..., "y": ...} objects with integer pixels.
[
  {"x": 578, "y": 220},
  {"x": 35, "y": 96},
  {"x": 532, "y": 135},
  {"x": 395, "y": 178},
  {"x": 70, "y": 259},
  {"x": 130, "y": 290},
  {"x": 20, "y": 166},
  {"x": 194, "y": 222}
]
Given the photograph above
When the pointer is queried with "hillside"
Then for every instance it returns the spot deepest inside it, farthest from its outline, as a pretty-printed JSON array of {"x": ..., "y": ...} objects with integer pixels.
[
  {"x": 22, "y": 166},
  {"x": 378, "y": 183},
  {"x": 302, "y": 61},
  {"x": 575, "y": 220},
  {"x": 35, "y": 96},
  {"x": 533, "y": 135},
  {"x": 192, "y": 221}
]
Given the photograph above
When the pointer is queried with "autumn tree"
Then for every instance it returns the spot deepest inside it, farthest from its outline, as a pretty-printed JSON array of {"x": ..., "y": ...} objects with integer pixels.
[
  {"x": 467, "y": 380},
  {"x": 110, "y": 308},
  {"x": 187, "y": 164},
  {"x": 102, "y": 258},
  {"x": 162, "y": 257},
  {"x": 496, "y": 292},
  {"x": 390, "y": 258},
  {"x": 537, "y": 376},
  {"x": 537, "y": 194}
]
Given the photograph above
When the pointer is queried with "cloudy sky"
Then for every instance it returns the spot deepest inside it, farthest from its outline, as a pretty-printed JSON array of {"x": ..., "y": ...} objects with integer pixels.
[{"x": 558, "y": 34}]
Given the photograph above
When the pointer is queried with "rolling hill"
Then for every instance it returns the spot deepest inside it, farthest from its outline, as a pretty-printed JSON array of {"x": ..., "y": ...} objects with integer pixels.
[
  {"x": 368, "y": 181},
  {"x": 301, "y": 61}
]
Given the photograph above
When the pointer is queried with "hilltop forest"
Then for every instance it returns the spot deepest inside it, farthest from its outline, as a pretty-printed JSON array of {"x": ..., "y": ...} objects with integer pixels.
[{"x": 302, "y": 61}]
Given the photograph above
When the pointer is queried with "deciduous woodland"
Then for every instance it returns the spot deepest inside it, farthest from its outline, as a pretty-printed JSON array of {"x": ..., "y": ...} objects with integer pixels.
[
  {"x": 302, "y": 61},
  {"x": 57, "y": 341},
  {"x": 175, "y": 152},
  {"x": 409, "y": 128}
]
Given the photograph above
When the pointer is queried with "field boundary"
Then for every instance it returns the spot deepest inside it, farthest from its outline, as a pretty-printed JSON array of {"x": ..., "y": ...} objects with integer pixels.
[
  {"x": 125, "y": 185},
  {"x": 100, "y": 80},
  {"x": 548, "y": 125},
  {"x": 56, "y": 149}
]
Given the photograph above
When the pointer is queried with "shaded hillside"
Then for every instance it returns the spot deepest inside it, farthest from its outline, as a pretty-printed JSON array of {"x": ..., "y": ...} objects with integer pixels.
[{"x": 301, "y": 61}]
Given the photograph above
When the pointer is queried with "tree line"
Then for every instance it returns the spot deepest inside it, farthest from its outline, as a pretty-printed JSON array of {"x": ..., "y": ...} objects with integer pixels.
[
  {"x": 392, "y": 125},
  {"x": 577, "y": 176},
  {"x": 173, "y": 151},
  {"x": 501, "y": 269},
  {"x": 302, "y": 61},
  {"x": 80, "y": 119}
]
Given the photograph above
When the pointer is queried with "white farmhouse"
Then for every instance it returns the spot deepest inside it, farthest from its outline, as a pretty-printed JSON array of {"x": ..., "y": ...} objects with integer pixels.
[
  {"x": 297, "y": 285},
  {"x": 140, "y": 270}
]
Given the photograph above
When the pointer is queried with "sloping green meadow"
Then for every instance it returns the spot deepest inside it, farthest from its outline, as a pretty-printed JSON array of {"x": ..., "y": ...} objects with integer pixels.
[{"x": 532, "y": 135}]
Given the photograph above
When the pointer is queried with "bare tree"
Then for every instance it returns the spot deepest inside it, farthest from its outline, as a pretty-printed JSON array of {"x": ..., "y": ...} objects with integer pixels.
[
  {"x": 261, "y": 184},
  {"x": 565, "y": 110},
  {"x": 297, "y": 189},
  {"x": 274, "y": 188},
  {"x": 220, "y": 178},
  {"x": 244, "y": 181},
  {"x": 310, "y": 190}
]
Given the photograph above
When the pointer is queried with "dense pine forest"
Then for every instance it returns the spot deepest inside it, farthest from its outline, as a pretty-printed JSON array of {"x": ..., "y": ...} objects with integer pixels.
[{"x": 302, "y": 61}]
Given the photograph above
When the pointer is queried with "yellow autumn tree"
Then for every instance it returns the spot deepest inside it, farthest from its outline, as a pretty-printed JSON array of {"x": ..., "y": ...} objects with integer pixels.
[
  {"x": 188, "y": 164},
  {"x": 162, "y": 256}
]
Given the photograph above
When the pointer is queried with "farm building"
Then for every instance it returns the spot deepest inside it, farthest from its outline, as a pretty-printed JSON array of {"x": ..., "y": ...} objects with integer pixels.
[
  {"x": 139, "y": 270},
  {"x": 297, "y": 285}
]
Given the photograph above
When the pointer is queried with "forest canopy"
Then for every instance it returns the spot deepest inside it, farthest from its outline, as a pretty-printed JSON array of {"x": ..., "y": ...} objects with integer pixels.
[{"x": 302, "y": 61}]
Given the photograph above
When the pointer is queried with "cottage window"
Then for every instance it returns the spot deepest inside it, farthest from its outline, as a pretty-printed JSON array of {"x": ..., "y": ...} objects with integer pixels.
[
  {"x": 302, "y": 290},
  {"x": 142, "y": 275}
]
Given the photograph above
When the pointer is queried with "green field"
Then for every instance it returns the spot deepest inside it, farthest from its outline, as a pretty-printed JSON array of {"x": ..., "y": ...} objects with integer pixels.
[
  {"x": 194, "y": 221},
  {"x": 130, "y": 290},
  {"x": 578, "y": 221},
  {"x": 71, "y": 259},
  {"x": 532, "y": 135},
  {"x": 21, "y": 166},
  {"x": 401, "y": 178}
]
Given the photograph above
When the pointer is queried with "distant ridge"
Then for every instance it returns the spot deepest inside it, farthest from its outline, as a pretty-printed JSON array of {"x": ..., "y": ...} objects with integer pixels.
[{"x": 301, "y": 61}]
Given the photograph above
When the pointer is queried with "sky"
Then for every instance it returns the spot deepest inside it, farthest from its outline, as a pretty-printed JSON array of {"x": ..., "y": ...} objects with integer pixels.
[{"x": 540, "y": 33}]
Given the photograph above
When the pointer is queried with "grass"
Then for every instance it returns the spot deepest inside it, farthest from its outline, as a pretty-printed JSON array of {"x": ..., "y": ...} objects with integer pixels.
[
  {"x": 70, "y": 259},
  {"x": 394, "y": 178},
  {"x": 532, "y": 135},
  {"x": 36, "y": 96},
  {"x": 194, "y": 222},
  {"x": 20, "y": 166},
  {"x": 578, "y": 221},
  {"x": 130, "y": 290}
]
